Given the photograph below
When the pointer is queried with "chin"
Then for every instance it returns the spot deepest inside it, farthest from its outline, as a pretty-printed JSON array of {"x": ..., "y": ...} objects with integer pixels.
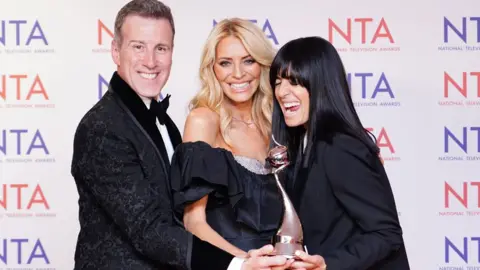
[
  {"x": 291, "y": 124},
  {"x": 240, "y": 97},
  {"x": 294, "y": 122},
  {"x": 153, "y": 93},
  {"x": 150, "y": 89}
]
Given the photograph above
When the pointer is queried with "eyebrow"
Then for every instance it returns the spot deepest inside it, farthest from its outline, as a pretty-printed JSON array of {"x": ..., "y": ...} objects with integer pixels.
[
  {"x": 144, "y": 43},
  {"x": 229, "y": 58}
]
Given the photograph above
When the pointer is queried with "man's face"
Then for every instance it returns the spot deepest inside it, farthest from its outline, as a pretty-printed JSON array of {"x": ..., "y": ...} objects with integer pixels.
[{"x": 144, "y": 57}]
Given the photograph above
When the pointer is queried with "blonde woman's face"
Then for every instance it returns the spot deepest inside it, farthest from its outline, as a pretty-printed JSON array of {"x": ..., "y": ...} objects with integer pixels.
[{"x": 237, "y": 71}]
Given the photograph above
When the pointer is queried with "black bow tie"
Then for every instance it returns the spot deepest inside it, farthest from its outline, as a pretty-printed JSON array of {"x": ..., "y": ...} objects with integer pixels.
[{"x": 159, "y": 109}]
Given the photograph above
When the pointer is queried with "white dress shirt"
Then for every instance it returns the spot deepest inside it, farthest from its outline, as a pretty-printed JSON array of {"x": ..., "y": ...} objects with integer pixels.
[
  {"x": 236, "y": 263},
  {"x": 163, "y": 131}
]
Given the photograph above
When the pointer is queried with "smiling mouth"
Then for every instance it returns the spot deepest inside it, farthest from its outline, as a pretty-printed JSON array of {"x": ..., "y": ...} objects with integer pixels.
[
  {"x": 291, "y": 108},
  {"x": 148, "y": 76},
  {"x": 240, "y": 87}
]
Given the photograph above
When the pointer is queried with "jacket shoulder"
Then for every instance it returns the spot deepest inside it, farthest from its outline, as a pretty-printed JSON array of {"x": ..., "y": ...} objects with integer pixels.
[
  {"x": 104, "y": 114},
  {"x": 343, "y": 144}
]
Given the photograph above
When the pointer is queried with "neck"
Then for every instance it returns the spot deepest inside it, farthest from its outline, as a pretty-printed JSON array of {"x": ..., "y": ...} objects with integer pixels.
[
  {"x": 242, "y": 111},
  {"x": 146, "y": 99}
]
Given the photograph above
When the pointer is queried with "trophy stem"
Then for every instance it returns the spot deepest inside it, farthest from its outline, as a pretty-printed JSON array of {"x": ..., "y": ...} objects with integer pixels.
[{"x": 289, "y": 237}]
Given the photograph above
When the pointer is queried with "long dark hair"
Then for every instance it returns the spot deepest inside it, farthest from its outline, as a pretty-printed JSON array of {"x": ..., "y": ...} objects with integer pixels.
[{"x": 314, "y": 63}]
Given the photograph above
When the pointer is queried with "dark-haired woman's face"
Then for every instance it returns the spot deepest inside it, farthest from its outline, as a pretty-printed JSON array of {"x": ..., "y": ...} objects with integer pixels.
[{"x": 294, "y": 101}]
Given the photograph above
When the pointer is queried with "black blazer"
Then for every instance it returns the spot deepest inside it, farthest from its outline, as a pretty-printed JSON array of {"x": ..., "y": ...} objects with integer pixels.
[
  {"x": 345, "y": 203},
  {"x": 120, "y": 167}
]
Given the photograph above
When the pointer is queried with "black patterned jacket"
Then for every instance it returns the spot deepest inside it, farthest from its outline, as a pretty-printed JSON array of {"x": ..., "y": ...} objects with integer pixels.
[{"x": 120, "y": 167}]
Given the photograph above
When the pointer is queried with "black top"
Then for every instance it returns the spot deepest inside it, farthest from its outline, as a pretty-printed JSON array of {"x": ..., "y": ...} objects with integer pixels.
[
  {"x": 244, "y": 204},
  {"x": 347, "y": 207}
]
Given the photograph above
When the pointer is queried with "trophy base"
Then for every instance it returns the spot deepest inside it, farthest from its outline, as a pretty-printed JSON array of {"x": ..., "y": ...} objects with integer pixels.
[{"x": 287, "y": 249}]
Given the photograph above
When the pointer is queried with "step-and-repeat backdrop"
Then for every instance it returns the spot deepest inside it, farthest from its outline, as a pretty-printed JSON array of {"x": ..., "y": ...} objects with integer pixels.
[{"x": 413, "y": 66}]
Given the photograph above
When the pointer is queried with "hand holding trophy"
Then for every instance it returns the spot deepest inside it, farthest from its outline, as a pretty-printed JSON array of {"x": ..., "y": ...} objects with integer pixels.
[{"x": 289, "y": 237}]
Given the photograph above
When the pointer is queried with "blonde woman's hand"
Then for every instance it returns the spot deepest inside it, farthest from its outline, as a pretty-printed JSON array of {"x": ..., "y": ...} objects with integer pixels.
[{"x": 308, "y": 262}]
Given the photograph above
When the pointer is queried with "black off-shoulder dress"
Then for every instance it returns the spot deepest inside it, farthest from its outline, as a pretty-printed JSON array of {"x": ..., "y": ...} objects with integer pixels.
[{"x": 244, "y": 204}]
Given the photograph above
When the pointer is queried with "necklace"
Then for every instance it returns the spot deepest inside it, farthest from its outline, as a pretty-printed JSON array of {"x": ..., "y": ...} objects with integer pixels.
[{"x": 245, "y": 122}]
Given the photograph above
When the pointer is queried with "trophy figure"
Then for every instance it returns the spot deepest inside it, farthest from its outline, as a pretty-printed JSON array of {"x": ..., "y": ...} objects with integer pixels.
[{"x": 289, "y": 237}]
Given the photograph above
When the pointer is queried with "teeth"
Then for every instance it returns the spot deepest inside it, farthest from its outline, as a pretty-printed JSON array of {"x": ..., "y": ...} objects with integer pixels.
[
  {"x": 239, "y": 85},
  {"x": 149, "y": 75},
  {"x": 291, "y": 104}
]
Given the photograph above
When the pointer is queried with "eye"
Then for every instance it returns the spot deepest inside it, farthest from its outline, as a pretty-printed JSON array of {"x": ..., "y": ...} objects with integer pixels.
[
  {"x": 224, "y": 63},
  {"x": 137, "y": 47},
  {"x": 292, "y": 82},
  {"x": 162, "y": 49},
  {"x": 250, "y": 61}
]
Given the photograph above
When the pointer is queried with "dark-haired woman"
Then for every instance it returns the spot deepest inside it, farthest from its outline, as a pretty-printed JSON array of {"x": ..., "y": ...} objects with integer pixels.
[{"x": 336, "y": 181}]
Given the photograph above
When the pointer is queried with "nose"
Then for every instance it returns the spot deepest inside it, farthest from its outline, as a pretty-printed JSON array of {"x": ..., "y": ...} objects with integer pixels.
[
  {"x": 282, "y": 89},
  {"x": 237, "y": 71},
  {"x": 150, "y": 59}
]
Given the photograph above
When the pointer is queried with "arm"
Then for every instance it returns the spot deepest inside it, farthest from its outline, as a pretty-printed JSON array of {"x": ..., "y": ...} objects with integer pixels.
[
  {"x": 107, "y": 164},
  {"x": 363, "y": 189},
  {"x": 195, "y": 222},
  {"x": 202, "y": 125}
]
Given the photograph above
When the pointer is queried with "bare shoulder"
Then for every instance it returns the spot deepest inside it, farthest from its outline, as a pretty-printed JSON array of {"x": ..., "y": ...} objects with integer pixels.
[
  {"x": 204, "y": 117},
  {"x": 202, "y": 124}
]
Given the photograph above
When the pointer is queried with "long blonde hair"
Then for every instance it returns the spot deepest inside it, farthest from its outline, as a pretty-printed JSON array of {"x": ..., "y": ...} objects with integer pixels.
[{"x": 211, "y": 94}]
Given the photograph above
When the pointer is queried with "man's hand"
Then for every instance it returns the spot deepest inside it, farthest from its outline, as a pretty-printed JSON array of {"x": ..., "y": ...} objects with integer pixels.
[
  {"x": 258, "y": 259},
  {"x": 308, "y": 262}
]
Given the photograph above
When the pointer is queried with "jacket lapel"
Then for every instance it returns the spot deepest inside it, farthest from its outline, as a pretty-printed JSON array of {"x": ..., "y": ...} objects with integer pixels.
[
  {"x": 300, "y": 175},
  {"x": 137, "y": 110}
]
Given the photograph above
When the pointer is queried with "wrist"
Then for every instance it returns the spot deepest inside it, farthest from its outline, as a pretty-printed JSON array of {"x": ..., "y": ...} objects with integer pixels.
[{"x": 241, "y": 254}]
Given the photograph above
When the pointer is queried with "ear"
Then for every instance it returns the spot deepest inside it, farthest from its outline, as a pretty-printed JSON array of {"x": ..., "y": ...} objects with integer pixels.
[{"x": 115, "y": 51}]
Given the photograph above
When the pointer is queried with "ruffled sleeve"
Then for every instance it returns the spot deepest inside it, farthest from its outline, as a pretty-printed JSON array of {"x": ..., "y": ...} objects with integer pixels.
[{"x": 197, "y": 170}]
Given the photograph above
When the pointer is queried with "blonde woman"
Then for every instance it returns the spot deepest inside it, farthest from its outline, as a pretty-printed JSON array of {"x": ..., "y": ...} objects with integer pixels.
[{"x": 221, "y": 189}]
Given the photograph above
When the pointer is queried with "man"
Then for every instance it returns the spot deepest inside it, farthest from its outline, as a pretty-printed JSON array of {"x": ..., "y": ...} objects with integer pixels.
[{"x": 122, "y": 149}]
